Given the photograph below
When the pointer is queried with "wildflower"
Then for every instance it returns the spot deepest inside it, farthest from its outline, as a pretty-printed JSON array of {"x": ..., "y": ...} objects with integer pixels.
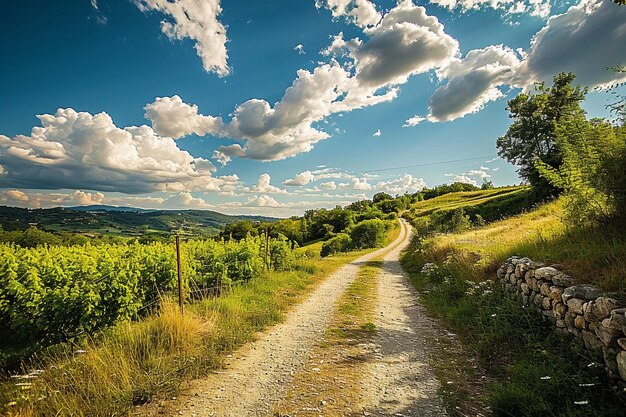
[
  {"x": 581, "y": 402},
  {"x": 544, "y": 378},
  {"x": 586, "y": 385},
  {"x": 493, "y": 315}
]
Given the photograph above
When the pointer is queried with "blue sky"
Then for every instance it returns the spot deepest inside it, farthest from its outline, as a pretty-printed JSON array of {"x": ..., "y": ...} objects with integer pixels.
[{"x": 381, "y": 92}]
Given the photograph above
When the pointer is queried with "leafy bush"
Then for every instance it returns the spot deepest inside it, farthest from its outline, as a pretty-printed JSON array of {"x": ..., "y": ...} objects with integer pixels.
[
  {"x": 337, "y": 244},
  {"x": 368, "y": 234}
]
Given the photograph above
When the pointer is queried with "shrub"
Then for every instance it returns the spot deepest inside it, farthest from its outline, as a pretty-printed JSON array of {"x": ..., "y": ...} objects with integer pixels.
[
  {"x": 339, "y": 243},
  {"x": 368, "y": 234}
]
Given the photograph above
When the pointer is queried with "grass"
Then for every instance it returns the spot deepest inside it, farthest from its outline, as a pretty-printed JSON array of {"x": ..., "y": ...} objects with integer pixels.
[
  {"x": 132, "y": 363},
  {"x": 596, "y": 256},
  {"x": 534, "y": 371}
]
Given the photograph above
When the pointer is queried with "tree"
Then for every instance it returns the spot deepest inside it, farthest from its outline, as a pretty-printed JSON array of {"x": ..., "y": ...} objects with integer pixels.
[
  {"x": 368, "y": 234},
  {"x": 378, "y": 197},
  {"x": 532, "y": 135},
  {"x": 487, "y": 185}
]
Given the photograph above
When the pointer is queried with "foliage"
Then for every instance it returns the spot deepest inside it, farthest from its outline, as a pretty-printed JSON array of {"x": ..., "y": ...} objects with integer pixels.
[
  {"x": 368, "y": 234},
  {"x": 593, "y": 173},
  {"x": 532, "y": 135},
  {"x": 53, "y": 293},
  {"x": 444, "y": 189},
  {"x": 340, "y": 243}
]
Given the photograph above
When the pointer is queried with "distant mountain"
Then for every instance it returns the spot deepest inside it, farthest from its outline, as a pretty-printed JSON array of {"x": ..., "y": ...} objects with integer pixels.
[{"x": 114, "y": 220}]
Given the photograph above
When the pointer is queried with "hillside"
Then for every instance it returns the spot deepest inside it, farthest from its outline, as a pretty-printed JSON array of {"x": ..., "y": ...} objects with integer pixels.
[{"x": 111, "y": 220}]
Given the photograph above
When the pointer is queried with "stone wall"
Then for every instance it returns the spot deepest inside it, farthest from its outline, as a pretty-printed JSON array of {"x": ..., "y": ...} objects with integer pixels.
[{"x": 597, "y": 320}]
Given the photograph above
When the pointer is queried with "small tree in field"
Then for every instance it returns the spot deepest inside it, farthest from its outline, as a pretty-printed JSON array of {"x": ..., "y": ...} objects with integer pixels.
[{"x": 368, "y": 234}]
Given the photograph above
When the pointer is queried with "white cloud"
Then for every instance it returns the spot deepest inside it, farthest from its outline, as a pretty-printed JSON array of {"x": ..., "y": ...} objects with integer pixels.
[
  {"x": 404, "y": 184},
  {"x": 539, "y": 8},
  {"x": 300, "y": 179},
  {"x": 481, "y": 173},
  {"x": 187, "y": 201},
  {"x": 465, "y": 179},
  {"x": 47, "y": 200},
  {"x": 407, "y": 41},
  {"x": 263, "y": 201},
  {"x": 264, "y": 186},
  {"x": 361, "y": 12},
  {"x": 473, "y": 81},
  {"x": 377, "y": 133},
  {"x": 79, "y": 150},
  {"x": 16, "y": 195},
  {"x": 100, "y": 18},
  {"x": 584, "y": 40},
  {"x": 329, "y": 185},
  {"x": 413, "y": 121},
  {"x": 358, "y": 184},
  {"x": 196, "y": 20},
  {"x": 171, "y": 117},
  {"x": 221, "y": 157},
  {"x": 300, "y": 49}
]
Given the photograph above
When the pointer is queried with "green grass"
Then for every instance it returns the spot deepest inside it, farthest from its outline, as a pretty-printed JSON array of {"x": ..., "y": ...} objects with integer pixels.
[
  {"x": 133, "y": 362},
  {"x": 534, "y": 371}
]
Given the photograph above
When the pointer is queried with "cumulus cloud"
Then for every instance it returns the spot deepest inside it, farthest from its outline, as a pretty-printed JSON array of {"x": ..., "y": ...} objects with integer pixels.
[
  {"x": 221, "y": 157},
  {"x": 405, "y": 184},
  {"x": 300, "y": 179},
  {"x": 539, "y": 8},
  {"x": 407, "y": 41},
  {"x": 80, "y": 150},
  {"x": 584, "y": 40},
  {"x": 188, "y": 201},
  {"x": 465, "y": 179},
  {"x": 329, "y": 185},
  {"x": 170, "y": 116},
  {"x": 473, "y": 81},
  {"x": 299, "y": 48},
  {"x": 357, "y": 184},
  {"x": 47, "y": 200},
  {"x": 264, "y": 186},
  {"x": 377, "y": 133},
  {"x": 360, "y": 12},
  {"x": 196, "y": 20},
  {"x": 263, "y": 201}
]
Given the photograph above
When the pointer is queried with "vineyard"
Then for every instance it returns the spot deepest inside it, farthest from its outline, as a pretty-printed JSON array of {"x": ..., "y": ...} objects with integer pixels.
[{"x": 51, "y": 294}]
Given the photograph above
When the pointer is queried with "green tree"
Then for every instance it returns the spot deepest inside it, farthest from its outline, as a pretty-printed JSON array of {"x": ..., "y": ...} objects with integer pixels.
[
  {"x": 368, "y": 234},
  {"x": 532, "y": 135},
  {"x": 378, "y": 197}
]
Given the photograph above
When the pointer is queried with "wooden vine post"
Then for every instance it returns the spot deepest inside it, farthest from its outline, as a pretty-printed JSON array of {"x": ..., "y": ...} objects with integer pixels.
[{"x": 180, "y": 275}]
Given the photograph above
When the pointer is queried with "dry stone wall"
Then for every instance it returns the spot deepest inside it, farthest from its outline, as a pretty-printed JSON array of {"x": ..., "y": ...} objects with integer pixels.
[{"x": 597, "y": 320}]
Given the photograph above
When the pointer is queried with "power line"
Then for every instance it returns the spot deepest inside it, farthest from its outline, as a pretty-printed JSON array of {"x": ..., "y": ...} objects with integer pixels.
[{"x": 430, "y": 163}]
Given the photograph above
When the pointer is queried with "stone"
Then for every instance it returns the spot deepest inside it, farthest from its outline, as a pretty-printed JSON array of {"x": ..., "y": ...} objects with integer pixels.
[
  {"x": 580, "y": 322},
  {"x": 530, "y": 274},
  {"x": 544, "y": 288},
  {"x": 546, "y": 272},
  {"x": 576, "y": 333},
  {"x": 603, "y": 306},
  {"x": 569, "y": 319},
  {"x": 512, "y": 279},
  {"x": 563, "y": 280},
  {"x": 547, "y": 303},
  {"x": 584, "y": 291},
  {"x": 524, "y": 299},
  {"x": 534, "y": 284},
  {"x": 538, "y": 300},
  {"x": 607, "y": 335},
  {"x": 621, "y": 364},
  {"x": 555, "y": 293},
  {"x": 501, "y": 272},
  {"x": 622, "y": 342},
  {"x": 560, "y": 323},
  {"x": 559, "y": 310},
  {"x": 575, "y": 305},
  {"x": 508, "y": 287},
  {"x": 616, "y": 321},
  {"x": 525, "y": 288},
  {"x": 510, "y": 269},
  {"x": 591, "y": 340}
]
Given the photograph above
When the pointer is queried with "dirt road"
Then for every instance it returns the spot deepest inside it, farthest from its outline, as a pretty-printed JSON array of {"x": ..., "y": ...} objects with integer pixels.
[{"x": 260, "y": 372}]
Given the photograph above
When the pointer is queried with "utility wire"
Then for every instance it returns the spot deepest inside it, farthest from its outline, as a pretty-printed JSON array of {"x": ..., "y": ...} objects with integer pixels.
[{"x": 430, "y": 163}]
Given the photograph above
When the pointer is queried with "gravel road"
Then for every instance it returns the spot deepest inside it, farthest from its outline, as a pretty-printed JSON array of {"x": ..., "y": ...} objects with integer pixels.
[
  {"x": 401, "y": 383},
  {"x": 259, "y": 373}
]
